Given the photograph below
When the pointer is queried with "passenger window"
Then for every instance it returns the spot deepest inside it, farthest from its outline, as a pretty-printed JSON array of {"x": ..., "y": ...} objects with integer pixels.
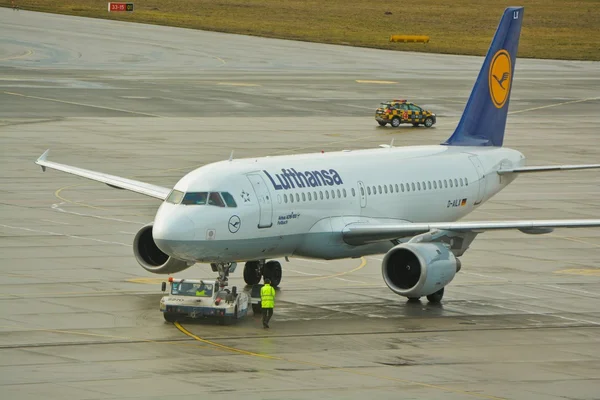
[
  {"x": 315, "y": 193},
  {"x": 285, "y": 198},
  {"x": 440, "y": 183},
  {"x": 380, "y": 191},
  {"x": 344, "y": 192},
  {"x": 391, "y": 189},
  {"x": 418, "y": 185},
  {"x": 309, "y": 197},
  {"x": 215, "y": 200},
  {"x": 445, "y": 184},
  {"x": 303, "y": 197},
  {"x": 297, "y": 198},
  {"x": 455, "y": 182},
  {"x": 291, "y": 198},
  {"x": 434, "y": 184},
  {"x": 374, "y": 190},
  {"x": 279, "y": 198},
  {"x": 402, "y": 187},
  {"x": 369, "y": 190},
  {"x": 412, "y": 184},
  {"x": 461, "y": 181},
  {"x": 424, "y": 186},
  {"x": 451, "y": 185},
  {"x": 230, "y": 201},
  {"x": 321, "y": 195},
  {"x": 175, "y": 197},
  {"x": 397, "y": 188},
  {"x": 339, "y": 194},
  {"x": 429, "y": 185},
  {"x": 385, "y": 189},
  {"x": 354, "y": 192},
  {"x": 362, "y": 192},
  {"x": 327, "y": 194},
  {"x": 332, "y": 194}
]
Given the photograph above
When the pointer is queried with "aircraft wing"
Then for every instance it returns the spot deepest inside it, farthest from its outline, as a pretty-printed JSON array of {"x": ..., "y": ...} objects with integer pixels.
[
  {"x": 147, "y": 189},
  {"x": 546, "y": 168},
  {"x": 362, "y": 233}
]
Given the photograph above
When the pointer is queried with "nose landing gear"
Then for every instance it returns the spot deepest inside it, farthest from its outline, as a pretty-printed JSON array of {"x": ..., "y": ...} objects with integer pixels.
[
  {"x": 223, "y": 269},
  {"x": 254, "y": 270}
]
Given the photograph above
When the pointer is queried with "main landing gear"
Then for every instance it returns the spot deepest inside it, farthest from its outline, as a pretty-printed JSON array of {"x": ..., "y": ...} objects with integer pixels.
[
  {"x": 254, "y": 270},
  {"x": 432, "y": 298}
]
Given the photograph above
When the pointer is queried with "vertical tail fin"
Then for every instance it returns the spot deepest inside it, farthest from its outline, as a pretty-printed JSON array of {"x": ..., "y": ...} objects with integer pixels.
[{"x": 484, "y": 118}]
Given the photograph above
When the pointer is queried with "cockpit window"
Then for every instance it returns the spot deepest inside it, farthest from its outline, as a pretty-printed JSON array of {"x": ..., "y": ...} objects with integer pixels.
[
  {"x": 195, "y": 198},
  {"x": 215, "y": 200},
  {"x": 228, "y": 199},
  {"x": 202, "y": 198},
  {"x": 175, "y": 197}
]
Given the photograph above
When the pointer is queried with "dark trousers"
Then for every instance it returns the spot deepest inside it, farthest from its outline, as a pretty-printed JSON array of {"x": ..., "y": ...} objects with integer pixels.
[{"x": 267, "y": 313}]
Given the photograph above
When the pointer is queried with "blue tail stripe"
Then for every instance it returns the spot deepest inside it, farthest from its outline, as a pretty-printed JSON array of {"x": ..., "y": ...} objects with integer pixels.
[{"x": 484, "y": 119}]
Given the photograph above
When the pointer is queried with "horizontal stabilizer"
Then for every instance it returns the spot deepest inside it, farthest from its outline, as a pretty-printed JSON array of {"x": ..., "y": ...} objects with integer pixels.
[
  {"x": 147, "y": 189},
  {"x": 546, "y": 168}
]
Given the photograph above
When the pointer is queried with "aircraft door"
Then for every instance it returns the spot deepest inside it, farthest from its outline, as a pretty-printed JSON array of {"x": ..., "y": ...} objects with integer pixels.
[
  {"x": 263, "y": 197},
  {"x": 363, "y": 194},
  {"x": 481, "y": 178}
]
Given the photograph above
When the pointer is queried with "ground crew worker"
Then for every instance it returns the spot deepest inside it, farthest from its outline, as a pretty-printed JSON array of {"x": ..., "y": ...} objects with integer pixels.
[
  {"x": 267, "y": 301},
  {"x": 201, "y": 291}
]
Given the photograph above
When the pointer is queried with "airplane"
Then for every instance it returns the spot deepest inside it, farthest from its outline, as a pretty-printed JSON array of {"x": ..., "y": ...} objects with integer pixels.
[{"x": 404, "y": 202}]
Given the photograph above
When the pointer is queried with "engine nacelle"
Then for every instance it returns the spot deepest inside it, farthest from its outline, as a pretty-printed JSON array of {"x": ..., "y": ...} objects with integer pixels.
[
  {"x": 419, "y": 269},
  {"x": 151, "y": 258}
]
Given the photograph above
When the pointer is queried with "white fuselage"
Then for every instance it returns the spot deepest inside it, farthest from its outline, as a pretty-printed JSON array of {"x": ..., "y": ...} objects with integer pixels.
[{"x": 299, "y": 205}]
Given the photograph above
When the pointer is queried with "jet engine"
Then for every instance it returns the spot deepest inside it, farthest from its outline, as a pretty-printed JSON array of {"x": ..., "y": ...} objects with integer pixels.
[
  {"x": 151, "y": 258},
  {"x": 419, "y": 269}
]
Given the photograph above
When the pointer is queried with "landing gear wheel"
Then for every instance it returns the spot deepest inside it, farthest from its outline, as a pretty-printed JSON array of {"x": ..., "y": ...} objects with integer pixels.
[
  {"x": 170, "y": 317},
  {"x": 396, "y": 122},
  {"x": 272, "y": 270},
  {"x": 436, "y": 297},
  {"x": 252, "y": 272},
  {"x": 428, "y": 122},
  {"x": 382, "y": 123},
  {"x": 257, "y": 309}
]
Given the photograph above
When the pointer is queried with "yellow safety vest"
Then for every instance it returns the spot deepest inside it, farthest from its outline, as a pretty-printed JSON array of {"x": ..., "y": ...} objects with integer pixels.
[
  {"x": 200, "y": 293},
  {"x": 267, "y": 296}
]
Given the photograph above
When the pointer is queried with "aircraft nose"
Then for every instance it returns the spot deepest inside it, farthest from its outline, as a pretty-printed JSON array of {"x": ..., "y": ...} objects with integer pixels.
[{"x": 169, "y": 230}]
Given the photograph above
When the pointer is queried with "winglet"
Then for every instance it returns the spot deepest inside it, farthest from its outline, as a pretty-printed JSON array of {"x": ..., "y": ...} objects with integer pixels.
[{"x": 43, "y": 158}]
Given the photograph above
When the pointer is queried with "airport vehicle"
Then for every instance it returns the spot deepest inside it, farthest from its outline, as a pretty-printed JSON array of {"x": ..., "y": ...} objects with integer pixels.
[
  {"x": 398, "y": 112},
  {"x": 193, "y": 298},
  {"x": 404, "y": 202}
]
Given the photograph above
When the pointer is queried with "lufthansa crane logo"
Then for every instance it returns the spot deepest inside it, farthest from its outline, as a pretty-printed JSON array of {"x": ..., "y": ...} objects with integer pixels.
[
  {"x": 234, "y": 224},
  {"x": 499, "y": 79}
]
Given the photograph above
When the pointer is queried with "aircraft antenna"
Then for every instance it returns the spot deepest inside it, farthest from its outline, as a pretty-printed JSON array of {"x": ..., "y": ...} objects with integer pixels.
[{"x": 231, "y": 155}]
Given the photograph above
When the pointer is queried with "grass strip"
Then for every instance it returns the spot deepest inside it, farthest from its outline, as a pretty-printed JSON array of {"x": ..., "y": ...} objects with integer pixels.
[{"x": 554, "y": 29}]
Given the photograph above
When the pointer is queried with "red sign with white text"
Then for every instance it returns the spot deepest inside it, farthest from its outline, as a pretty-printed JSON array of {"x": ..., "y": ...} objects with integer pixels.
[{"x": 120, "y": 7}]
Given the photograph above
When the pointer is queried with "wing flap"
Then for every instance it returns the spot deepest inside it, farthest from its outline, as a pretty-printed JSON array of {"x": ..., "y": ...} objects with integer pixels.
[
  {"x": 118, "y": 182},
  {"x": 546, "y": 168},
  {"x": 361, "y": 233}
]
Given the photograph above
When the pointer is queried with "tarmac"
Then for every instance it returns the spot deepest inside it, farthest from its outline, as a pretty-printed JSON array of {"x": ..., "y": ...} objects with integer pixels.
[{"x": 79, "y": 317}]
